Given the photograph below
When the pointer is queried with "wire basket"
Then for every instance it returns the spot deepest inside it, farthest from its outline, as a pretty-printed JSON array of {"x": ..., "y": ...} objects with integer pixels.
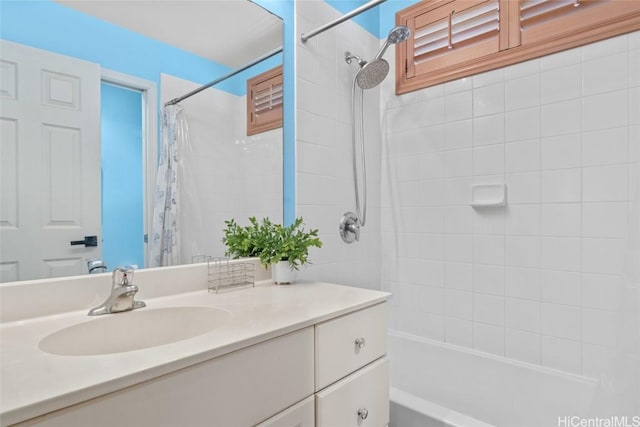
[{"x": 224, "y": 274}]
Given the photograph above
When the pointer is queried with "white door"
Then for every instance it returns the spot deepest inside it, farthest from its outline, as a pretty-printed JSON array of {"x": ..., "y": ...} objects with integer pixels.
[{"x": 49, "y": 162}]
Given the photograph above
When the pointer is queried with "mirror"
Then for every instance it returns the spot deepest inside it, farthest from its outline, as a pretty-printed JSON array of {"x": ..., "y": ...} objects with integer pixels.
[{"x": 150, "y": 52}]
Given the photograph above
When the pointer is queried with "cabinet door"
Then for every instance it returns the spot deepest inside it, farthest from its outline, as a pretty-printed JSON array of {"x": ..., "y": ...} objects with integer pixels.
[
  {"x": 238, "y": 389},
  {"x": 347, "y": 343},
  {"x": 299, "y": 415},
  {"x": 360, "y": 400}
]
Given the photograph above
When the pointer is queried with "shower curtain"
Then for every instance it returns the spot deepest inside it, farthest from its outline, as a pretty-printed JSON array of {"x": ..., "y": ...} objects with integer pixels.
[{"x": 164, "y": 244}]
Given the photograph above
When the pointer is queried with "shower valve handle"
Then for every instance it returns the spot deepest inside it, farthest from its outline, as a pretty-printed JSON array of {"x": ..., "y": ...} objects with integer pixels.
[{"x": 363, "y": 413}]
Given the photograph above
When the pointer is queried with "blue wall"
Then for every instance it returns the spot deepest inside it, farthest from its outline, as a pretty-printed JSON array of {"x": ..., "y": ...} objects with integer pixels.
[
  {"x": 47, "y": 25},
  {"x": 122, "y": 184}
]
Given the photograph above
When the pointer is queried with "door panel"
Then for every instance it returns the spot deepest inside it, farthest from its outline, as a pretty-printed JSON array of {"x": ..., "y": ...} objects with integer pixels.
[{"x": 50, "y": 128}]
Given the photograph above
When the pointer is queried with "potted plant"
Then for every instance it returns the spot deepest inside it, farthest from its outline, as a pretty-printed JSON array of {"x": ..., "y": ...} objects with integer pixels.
[{"x": 284, "y": 248}]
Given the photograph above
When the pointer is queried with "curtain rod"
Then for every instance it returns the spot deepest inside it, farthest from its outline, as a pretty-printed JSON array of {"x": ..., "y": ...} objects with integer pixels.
[
  {"x": 306, "y": 36},
  {"x": 226, "y": 76}
]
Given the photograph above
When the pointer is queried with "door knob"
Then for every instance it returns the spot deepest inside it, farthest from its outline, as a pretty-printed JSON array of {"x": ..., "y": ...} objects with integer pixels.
[{"x": 87, "y": 242}]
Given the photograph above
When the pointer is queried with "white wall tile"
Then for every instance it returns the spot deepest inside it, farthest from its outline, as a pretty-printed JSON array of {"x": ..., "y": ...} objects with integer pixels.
[
  {"x": 604, "y": 48},
  {"x": 564, "y": 151},
  {"x": 458, "y": 248},
  {"x": 458, "y": 106},
  {"x": 523, "y": 220},
  {"x": 488, "y": 309},
  {"x": 561, "y": 287},
  {"x": 523, "y": 92},
  {"x": 521, "y": 345},
  {"x": 522, "y": 314},
  {"x": 523, "y": 251},
  {"x": 458, "y": 134},
  {"x": 522, "y": 69},
  {"x": 610, "y": 219},
  {"x": 563, "y": 185},
  {"x": 488, "y": 78},
  {"x": 458, "y": 276},
  {"x": 605, "y": 183},
  {"x": 488, "y": 249},
  {"x": 458, "y": 163},
  {"x": 604, "y": 256},
  {"x": 562, "y": 354},
  {"x": 561, "y": 219},
  {"x": 459, "y": 85},
  {"x": 459, "y": 304},
  {"x": 458, "y": 220},
  {"x": 596, "y": 359},
  {"x": 488, "y": 99},
  {"x": 457, "y": 191},
  {"x": 614, "y": 67},
  {"x": 560, "y": 59},
  {"x": 605, "y": 147},
  {"x": 602, "y": 291},
  {"x": 561, "y": 118},
  {"x": 488, "y": 279},
  {"x": 523, "y": 187},
  {"x": 606, "y": 110},
  {"x": 488, "y": 130},
  {"x": 522, "y": 156},
  {"x": 634, "y": 67},
  {"x": 522, "y": 283},
  {"x": 432, "y": 299},
  {"x": 561, "y": 253},
  {"x": 600, "y": 327},
  {"x": 488, "y": 160},
  {"x": 459, "y": 331},
  {"x": 488, "y": 338},
  {"x": 488, "y": 221},
  {"x": 561, "y": 84},
  {"x": 561, "y": 321},
  {"x": 523, "y": 124}
]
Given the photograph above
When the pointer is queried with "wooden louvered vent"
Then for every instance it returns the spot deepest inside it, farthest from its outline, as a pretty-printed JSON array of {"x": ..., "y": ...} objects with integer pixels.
[
  {"x": 264, "y": 101},
  {"x": 451, "y": 39}
]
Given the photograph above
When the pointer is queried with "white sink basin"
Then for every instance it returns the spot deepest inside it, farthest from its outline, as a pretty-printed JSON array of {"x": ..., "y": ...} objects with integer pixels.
[{"x": 134, "y": 330}]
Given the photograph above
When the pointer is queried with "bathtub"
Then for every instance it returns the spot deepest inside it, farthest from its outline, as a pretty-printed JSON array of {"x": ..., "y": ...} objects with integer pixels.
[{"x": 434, "y": 384}]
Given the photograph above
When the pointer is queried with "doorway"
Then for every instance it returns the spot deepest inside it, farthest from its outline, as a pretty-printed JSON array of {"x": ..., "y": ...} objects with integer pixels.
[{"x": 122, "y": 175}]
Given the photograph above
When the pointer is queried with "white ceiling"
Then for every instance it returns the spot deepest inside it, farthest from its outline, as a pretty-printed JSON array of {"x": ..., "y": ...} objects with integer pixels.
[{"x": 230, "y": 32}]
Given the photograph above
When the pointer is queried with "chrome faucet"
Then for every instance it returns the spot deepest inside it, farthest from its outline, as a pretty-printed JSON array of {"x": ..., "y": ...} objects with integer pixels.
[{"x": 122, "y": 295}]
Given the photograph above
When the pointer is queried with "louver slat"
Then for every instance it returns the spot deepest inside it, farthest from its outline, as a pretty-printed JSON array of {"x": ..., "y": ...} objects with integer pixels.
[{"x": 442, "y": 35}]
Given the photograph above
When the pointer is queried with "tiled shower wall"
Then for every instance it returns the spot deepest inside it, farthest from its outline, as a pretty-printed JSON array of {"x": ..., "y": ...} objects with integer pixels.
[
  {"x": 224, "y": 166},
  {"x": 541, "y": 279},
  {"x": 324, "y": 176}
]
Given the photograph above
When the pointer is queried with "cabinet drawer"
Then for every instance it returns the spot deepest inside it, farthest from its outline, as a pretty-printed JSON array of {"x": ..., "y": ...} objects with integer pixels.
[
  {"x": 360, "y": 400},
  {"x": 299, "y": 415},
  {"x": 347, "y": 343}
]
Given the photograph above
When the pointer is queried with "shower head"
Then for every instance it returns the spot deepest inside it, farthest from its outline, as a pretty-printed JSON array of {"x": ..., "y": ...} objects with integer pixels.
[
  {"x": 396, "y": 35},
  {"x": 372, "y": 73}
]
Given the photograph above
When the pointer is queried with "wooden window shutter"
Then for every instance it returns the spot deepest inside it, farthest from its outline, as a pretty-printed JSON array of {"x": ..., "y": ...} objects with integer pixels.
[
  {"x": 264, "y": 101},
  {"x": 451, "y": 39},
  {"x": 561, "y": 24},
  {"x": 446, "y": 33}
]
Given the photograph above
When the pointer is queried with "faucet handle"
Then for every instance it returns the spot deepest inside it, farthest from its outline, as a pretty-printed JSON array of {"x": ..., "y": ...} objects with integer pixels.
[{"x": 122, "y": 276}]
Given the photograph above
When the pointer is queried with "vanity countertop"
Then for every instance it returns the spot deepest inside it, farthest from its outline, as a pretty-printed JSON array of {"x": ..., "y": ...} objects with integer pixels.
[{"x": 33, "y": 382}]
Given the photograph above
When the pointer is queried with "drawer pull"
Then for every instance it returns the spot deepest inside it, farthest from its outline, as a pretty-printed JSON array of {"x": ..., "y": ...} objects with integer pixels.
[
  {"x": 360, "y": 342},
  {"x": 363, "y": 413}
]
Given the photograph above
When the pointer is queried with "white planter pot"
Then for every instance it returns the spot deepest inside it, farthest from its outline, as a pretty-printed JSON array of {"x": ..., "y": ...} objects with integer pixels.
[{"x": 282, "y": 273}]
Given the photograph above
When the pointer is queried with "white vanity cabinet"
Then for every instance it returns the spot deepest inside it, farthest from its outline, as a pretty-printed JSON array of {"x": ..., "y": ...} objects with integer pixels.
[{"x": 331, "y": 373}]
